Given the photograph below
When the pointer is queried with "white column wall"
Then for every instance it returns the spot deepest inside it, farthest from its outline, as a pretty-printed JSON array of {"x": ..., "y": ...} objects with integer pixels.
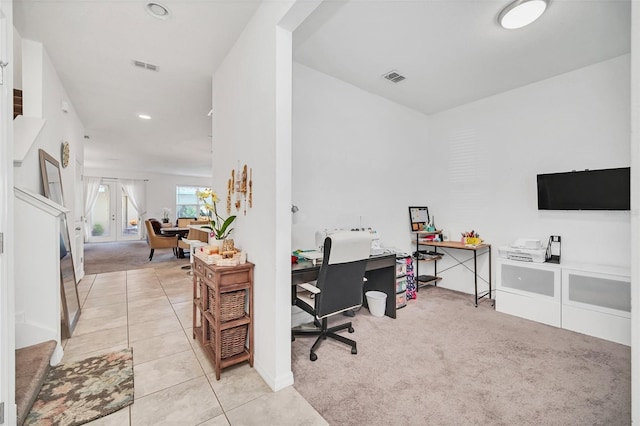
[
  {"x": 635, "y": 216},
  {"x": 7, "y": 277},
  {"x": 245, "y": 113}
]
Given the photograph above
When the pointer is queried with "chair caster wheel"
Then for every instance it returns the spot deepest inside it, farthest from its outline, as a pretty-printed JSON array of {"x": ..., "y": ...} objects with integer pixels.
[
  {"x": 313, "y": 356},
  {"x": 354, "y": 351},
  {"x": 351, "y": 330}
]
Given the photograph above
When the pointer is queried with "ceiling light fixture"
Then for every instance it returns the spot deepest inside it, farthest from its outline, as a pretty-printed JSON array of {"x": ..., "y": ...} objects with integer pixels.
[
  {"x": 157, "y": 10},
  {"x": 521, "y": 13},
  {"x": 144, "y": 116}
]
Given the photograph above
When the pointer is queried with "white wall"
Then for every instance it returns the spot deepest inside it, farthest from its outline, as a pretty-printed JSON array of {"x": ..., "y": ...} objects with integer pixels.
[
  {"x": 475, "y": 166},
  {"x": 490, "y": 151},
  {"x": 7, "y": 277},
  {"x": 161, "y": 188},
  {"x": 359, "y": 160},
  {"x": 41, "y": 84},
  {"x": 244, "y": 132}
]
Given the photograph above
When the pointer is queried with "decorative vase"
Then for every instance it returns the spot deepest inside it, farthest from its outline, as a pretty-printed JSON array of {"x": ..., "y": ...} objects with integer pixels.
[{"x": 215, "y": 243}]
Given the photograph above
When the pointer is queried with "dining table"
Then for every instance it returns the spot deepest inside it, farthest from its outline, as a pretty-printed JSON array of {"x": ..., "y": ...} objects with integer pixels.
[{"x": 174, "y": 230}]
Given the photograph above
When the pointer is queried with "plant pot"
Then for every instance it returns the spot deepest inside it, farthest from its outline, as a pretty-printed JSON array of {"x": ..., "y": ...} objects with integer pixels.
[{"x": 215, "y": 243}]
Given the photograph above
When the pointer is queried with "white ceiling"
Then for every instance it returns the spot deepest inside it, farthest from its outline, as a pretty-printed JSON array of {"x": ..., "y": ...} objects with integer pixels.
[
  {"x": 451, "y": 51},
  {"x": 92, "y": 45}
]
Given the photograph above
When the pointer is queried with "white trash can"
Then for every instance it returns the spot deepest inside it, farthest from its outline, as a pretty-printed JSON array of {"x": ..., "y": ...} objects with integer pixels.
[{"x": 377, "y": 302}]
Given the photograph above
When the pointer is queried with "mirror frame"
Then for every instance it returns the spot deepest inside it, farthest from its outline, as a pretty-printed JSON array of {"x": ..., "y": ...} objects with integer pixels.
[{"x": 68, "y": 282}]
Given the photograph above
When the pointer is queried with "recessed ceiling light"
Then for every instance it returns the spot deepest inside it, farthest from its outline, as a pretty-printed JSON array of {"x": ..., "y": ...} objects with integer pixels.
[
  {"x": 144, "y": 116},
  {"x": 157, "y": 10},
  {"x": 521, "y": 13}
]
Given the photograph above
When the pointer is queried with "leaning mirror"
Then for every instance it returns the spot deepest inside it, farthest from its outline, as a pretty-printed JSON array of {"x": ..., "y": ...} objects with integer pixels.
[{"x": 52, "y": 184}]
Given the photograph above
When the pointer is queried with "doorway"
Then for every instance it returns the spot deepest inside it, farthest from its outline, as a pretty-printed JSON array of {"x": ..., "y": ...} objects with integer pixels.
[{"x": 113, "y": 216}]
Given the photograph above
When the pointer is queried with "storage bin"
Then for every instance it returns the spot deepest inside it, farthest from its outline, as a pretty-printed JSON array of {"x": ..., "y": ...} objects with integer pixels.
[
  {"x": 401, "y": 284},
  {"x": 232, "y": 339},
  {"x": 231, "y": 304}
]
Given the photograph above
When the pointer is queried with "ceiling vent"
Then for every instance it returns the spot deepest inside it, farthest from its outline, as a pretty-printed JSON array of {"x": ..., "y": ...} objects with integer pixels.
[
  {"x": 145, "y": 65},
  {"x": 394, "y": 76}
]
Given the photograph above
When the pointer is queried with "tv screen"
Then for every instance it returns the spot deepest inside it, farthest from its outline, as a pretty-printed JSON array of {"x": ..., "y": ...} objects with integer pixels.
[{"x": 606, "y": 189}]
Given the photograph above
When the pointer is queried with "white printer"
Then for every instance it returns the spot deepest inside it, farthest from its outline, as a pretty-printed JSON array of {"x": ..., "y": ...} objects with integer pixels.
[{"x": 525, "y": 250}]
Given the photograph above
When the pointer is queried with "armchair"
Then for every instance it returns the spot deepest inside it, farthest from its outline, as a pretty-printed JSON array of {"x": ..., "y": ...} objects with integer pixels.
[
  {"x": 157, "y": 241},
  {"x": 338, "y": 289}
]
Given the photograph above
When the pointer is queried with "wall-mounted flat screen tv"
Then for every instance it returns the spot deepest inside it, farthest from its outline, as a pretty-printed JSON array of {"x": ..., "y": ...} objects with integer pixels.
[{"x": 606, "y": 189}]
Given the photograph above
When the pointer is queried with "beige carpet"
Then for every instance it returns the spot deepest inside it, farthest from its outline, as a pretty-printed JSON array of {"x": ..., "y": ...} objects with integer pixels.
[
  {"x": 123, "y": 256},
  {"x": 32, "y": 366},
  {"x": 444, "y": 362}
]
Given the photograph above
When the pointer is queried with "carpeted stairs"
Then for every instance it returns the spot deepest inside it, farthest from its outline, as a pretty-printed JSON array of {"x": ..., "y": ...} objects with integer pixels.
[{"x": 32, "y": 366}]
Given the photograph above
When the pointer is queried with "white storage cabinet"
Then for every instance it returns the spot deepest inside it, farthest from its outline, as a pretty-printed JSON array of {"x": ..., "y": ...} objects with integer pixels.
[
  {"x": 589, "y": 299},
  {"x": 597, "y": 303},
  {"x": 529, "y": 290}
]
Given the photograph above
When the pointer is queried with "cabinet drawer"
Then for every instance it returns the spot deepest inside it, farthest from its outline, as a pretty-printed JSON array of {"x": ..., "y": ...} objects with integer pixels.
[
  {"x": 199, "y": 267},
  {"x": 401, "y": 300},
  {"x": 606, "y": 293},
  {"x": 529, "y": 279},
  {"x": 544, "y": 310},
  {"x": 401, "y": 284},
  {"x": 401, "y": 268}
]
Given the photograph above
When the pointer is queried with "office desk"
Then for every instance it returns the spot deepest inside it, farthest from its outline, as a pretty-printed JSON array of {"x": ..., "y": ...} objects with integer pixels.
[
  {"x": 486, "y": 248},
  {"x": 380, "y": 273}
]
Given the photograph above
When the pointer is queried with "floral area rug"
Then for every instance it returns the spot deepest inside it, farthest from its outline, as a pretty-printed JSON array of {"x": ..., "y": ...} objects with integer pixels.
[{"x": 78, "y": 392}]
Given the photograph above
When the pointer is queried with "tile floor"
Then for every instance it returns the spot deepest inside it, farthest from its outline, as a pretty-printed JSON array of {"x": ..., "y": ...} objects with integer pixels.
[{"x": 150, "y": 311}]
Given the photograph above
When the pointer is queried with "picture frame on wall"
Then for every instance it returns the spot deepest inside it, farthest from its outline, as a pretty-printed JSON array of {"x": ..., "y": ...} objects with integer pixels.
[{"x": 419, "y": 218}]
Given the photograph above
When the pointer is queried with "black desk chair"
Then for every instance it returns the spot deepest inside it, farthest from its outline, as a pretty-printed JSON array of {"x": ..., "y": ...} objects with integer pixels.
[{"x": 338, "y": 288}]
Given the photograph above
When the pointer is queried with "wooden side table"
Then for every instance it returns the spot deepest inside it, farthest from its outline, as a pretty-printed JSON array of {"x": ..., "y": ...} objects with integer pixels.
[{"x": 223, "y": 312}]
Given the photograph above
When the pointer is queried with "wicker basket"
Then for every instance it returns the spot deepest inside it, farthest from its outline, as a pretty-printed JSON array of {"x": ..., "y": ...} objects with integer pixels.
[
  {"x": 231, "y": 305},
  {"x": 233, "y": 340}
]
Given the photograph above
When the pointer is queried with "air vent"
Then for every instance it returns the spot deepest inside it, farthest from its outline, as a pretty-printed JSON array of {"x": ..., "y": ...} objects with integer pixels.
[
  {"x": 394, "y": 76},
  {"x": 145, "y": 65}
]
